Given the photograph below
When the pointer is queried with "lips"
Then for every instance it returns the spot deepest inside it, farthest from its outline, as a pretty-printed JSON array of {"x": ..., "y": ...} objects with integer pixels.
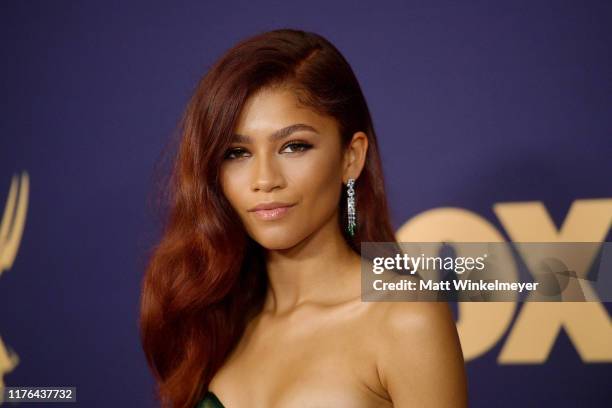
[
  {"x": 270, "y": 205},
  {"x": 271, "y": 211}
]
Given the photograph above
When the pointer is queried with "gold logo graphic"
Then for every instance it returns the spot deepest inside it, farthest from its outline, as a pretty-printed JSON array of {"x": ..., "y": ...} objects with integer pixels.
[
  {"x": 11, "y": 230},
  {"x": 482, "y": 325}
]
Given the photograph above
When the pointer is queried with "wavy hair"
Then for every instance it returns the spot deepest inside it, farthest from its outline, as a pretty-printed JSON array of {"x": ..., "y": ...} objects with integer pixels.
[{"x": 206, "y": 277}]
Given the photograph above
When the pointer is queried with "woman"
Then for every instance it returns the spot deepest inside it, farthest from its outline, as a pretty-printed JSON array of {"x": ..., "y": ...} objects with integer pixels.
[{"x": 253, "y": 296}]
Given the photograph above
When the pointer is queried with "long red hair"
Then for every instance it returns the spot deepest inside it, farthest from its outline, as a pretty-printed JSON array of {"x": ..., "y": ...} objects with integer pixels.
[{"x": 206, "y": 277}]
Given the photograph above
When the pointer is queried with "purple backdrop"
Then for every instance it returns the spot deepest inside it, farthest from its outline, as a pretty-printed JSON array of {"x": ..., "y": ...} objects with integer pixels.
[{"x": 474, "y": 104}]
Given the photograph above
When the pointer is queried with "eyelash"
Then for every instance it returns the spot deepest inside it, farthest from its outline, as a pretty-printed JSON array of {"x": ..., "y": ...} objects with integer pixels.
[{"x": 302, "y": 145}]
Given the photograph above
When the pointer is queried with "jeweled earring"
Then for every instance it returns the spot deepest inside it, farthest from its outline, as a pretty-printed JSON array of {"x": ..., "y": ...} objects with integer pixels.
[{"x": 352, "y": 214}]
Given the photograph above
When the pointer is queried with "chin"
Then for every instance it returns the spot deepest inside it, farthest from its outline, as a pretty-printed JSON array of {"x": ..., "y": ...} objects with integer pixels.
[
  {"x": 276, "y": 239},
  {"x": 275, "y": 243}
]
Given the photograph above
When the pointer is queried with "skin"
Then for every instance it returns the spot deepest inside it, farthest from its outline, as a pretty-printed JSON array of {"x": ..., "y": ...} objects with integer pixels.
[{"x": 315, "y": 344}]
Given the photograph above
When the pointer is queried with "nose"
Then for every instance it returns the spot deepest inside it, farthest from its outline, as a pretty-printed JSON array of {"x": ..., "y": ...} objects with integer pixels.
[{"x": 266, "y": 174}]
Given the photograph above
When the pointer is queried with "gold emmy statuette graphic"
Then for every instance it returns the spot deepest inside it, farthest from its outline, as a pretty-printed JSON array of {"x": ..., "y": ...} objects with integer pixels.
[{"x": 11, "y": 230}]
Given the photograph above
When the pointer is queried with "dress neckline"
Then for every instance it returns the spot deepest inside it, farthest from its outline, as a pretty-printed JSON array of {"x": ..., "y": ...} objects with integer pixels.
[{"x": 214, "y": 397}]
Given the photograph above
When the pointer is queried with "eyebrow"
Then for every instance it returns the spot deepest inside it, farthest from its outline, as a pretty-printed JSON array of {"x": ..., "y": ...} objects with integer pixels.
[{"x": 278, "y": 135}]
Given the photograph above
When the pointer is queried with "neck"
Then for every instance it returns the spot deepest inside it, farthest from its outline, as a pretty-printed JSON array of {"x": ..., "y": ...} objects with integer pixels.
[{"x": 322, "y": 269}]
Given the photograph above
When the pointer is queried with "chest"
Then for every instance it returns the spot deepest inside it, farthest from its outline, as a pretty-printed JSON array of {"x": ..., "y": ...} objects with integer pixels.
[{"x": 310, "y": 362}]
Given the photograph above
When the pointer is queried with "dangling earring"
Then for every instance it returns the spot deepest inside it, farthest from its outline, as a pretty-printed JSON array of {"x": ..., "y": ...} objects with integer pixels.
[{"x": 352, "y": 215}]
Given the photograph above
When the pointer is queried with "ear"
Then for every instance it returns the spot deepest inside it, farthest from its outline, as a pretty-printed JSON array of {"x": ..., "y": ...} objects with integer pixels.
[{"x": 354, "y": 156}]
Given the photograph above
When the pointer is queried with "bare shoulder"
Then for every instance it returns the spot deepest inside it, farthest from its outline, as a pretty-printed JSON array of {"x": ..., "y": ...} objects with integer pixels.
[{"x": 418, "y": 354}]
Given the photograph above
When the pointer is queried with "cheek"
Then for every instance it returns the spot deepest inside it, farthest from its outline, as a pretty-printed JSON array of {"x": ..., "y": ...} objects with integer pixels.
[
  {"x": 233, "y": 186},
  {"x": 318, "y": 183}
]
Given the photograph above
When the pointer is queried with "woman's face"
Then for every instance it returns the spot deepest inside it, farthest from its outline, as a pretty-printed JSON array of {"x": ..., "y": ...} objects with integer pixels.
[{"x": 284, "y": 154}]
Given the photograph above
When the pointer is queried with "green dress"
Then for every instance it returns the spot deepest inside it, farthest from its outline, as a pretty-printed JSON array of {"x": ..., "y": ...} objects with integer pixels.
[{"x": 210, "y": 400}]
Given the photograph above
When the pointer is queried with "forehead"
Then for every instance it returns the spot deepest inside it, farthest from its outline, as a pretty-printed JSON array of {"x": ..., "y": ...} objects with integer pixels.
[{"x": 270, "y": 109}]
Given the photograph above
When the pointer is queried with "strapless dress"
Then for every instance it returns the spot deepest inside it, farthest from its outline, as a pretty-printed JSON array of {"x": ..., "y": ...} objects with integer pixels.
[{"x": 210, "y": 400}]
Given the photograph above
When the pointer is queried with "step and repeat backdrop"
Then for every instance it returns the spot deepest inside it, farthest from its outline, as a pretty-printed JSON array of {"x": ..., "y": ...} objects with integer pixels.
[{"x": 494, "y": 121}]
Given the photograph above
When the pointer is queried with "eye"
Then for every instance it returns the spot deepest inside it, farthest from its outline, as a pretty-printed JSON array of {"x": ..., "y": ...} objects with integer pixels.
[
  {"x": 233, "y": 154},
  {"x": 238, "y": 152},
  {"x": 298, "y": 146}
]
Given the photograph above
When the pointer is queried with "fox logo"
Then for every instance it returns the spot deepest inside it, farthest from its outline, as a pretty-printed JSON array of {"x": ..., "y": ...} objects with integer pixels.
[{"x": 537, "y": 326}]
